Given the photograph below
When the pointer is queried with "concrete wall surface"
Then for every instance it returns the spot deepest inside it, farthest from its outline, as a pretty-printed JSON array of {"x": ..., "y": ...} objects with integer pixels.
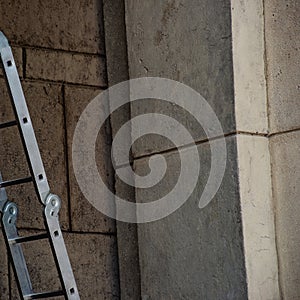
[
  {"x": 283, "y": 58},
  {"x": 192, "y": 253}
]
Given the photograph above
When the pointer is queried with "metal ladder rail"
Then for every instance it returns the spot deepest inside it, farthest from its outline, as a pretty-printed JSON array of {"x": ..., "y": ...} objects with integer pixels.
[{"x": 50, "y": 201}]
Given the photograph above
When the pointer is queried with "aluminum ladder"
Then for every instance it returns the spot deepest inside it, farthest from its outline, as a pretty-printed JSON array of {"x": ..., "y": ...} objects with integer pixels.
[{"x": 51, "y": 202}]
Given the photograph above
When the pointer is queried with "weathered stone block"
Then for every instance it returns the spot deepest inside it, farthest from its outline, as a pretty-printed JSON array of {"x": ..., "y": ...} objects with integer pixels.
[
  {"x": 46, "y": 109},
  {"x": 69, "y": 25},
  {"x": 95, "y": 264},
  {"x": 84, "y": 216},
  {"x": 13, "y": 161},
  {"x": 194, "y": 253},
  {"x": 4, "y": 284},
  {"x": 48, "y": 121},
  {"x": 67, "y": 67}
]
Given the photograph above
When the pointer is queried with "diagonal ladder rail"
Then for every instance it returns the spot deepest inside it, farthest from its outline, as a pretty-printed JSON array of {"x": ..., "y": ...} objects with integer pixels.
[{"x": 51, "y": 202}]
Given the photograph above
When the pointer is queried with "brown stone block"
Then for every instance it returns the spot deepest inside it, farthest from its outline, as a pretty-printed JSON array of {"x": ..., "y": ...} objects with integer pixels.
[
  {"x": 4, "y": 285},
  {"x": 67, "y": 67},
  {"x": 69, "y": 25},
  {"x": 46, "y": 109},
  {"x": 95, "y": 265}
]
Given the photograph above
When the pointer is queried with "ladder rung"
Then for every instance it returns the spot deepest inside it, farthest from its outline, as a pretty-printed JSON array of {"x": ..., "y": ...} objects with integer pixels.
[
  {"x": 15, "y": 182},
  {"x": 31, "y": 238},
  {"x": 8, "y": 124},
  {"x": 44, "y": 295}
]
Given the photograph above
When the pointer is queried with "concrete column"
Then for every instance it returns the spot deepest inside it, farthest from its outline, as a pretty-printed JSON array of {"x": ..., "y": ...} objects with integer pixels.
[
  {"x": 226, "y": 250},
  {"x": 254, "y": 171},
  {"x": 117, "y": 71}
]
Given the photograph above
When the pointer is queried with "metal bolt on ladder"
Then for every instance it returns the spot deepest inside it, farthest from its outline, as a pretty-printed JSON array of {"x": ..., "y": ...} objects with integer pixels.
[{"x": 50, "y": 201}]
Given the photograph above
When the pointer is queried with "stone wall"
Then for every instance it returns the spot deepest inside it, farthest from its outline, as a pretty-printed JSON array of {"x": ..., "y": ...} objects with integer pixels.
[{"x": 59, "y": 48}]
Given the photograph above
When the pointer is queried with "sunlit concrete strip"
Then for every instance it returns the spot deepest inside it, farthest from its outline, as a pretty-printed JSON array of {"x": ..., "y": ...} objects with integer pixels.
[
  {"x": 254, "y": 168},
  {"x": 257, "y": 217},
  {"x": 249, "y": 66}
]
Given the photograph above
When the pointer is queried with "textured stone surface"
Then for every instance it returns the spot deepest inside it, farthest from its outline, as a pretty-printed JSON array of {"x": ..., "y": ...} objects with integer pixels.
[
  {"x": 68, "y": 67},
  {"x": 46, "y": 106},
  {"x": 69, "y": 25},
  {"x": 95, "y": 265},
  {"x": 188, "y": 41},
  {"x": 62, "y": 41},
  {"x": 46, "y": 109},
  {"x": 285, "y": 150},
  {"x": 13, "y": 161},
  {"x": 17, "y": 53},
  {"x": 4, "y": 285},
  {"x": 283, "y": 55},
  {"x": 258, "y": 217},
  {"x": 84, "y": 216},
  {"x": 194, "y": 253}
]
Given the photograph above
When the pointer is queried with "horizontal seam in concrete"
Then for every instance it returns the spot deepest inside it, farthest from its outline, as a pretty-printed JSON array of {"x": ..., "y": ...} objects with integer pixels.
[
  {"x": 252, "y": 133},
  {"x": 25, "y": 46},
  {"x": 283, "y": 132},
  {"x": 199, "y": 142},
  {"x": 173, "y": 149}
]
